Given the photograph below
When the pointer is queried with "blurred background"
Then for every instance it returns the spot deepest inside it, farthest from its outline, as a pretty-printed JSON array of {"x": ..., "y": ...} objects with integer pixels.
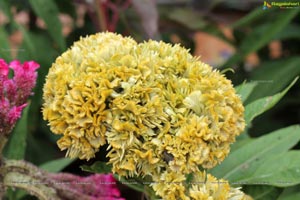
[{"x": 260, "y": 42}]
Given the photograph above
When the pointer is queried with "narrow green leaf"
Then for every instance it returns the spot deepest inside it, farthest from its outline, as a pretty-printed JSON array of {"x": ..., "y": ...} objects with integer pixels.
[
  {"x": 14, "y": 193},
  {"x": 48, "y": 11},
  {"x": 259, "y": 106},
  {"x": 29, "y": 46},
  {"x": 273, "y": 76},
  {"x": 262, "y": 192},
  {"x": 245, "y": 89},
  {"x": 256, "y": 14},
  {"x": 16, "y": 146},
  {"x": 67, "y": 7},
  {"x": 131, "y": 182},
  {"x": 256, "y": 40},
  {"x": 97, "y": 167},
  {"x": 281, "y": 170},
  {"x": 5, "y": 7},
  {"x": 290, "y": 31},
  {"x": 5, "y": 50},
  {"x": 187, "y": 17},
  {"x": 56, "y": 165},
  {"x": 290, "y": 193},
  {"x": 244, "y": 161}
]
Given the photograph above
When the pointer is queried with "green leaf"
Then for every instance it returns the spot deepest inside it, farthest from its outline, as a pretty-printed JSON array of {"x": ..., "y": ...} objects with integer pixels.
[
  {"x": 253, "y": 16},
  {"x": 262, "y": 192},
  {"x": 28, "y": 40},
  {"x": 290, "y": 31},
  {"x": 259, "y": 106},
  {"x": 187, "y": 17},
  {"x": 97, "y": 167},
  {"x": 14, "y": 193},
  {"x": 131, "y": 182},
  {"x": 240, "y": 143},
  {"x": 16, "y": 146},
  {"x": 37, "y": 46},
  {"x": 56, "y": 165},
  {"x": 244, "y": 161},
  {"x": 5, "y": 50},
  {"x": 256, "y": 40},
  {"x": 48, "y": 11},
  {"x": 67, "y": 7},
  {"x": 290, "y": 193},
  {"x": 245, "y": 89},
  {"x": 273, "y": 76},
  {"x": 4, "y": 6},
  {"x": 281, "y": 170}
]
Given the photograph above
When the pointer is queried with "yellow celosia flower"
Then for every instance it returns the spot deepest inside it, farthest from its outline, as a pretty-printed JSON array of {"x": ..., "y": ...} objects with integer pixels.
[
  {"x": 181, "y": 112},
  {"x": 162, "y": 111},
  {"x": 173, "y": 186},
  {"x": 205, "y": 186},
  {"x": 79, "y": 87},
  {"x": 170, "y": 185}
]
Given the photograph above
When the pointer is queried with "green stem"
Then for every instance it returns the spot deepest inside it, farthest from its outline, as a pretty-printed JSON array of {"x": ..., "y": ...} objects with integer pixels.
[
  {"x": 150, "y": 194},
  {"x": 37, "y": 182},
  {"x": 3, "y": 141},
  {"x": 23, "y": 175},
  {"x": 31, "y": 185}
]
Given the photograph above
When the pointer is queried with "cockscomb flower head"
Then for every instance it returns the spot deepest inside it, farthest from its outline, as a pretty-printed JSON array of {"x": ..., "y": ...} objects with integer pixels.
[
  {"x": 156, "y": 106},
  {"x": 79, "y": 87},
  {"x": 201, "y": 186},
  {"x": 171, "y": 185},
  {"x": 174, "y": 112},
  {"x": 15, "y": 91}
]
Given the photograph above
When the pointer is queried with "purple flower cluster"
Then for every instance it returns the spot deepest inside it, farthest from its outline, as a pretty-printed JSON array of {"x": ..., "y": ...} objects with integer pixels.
[
  {"x": 15, "y": 91},
  {"x": 93, "y": 187}
]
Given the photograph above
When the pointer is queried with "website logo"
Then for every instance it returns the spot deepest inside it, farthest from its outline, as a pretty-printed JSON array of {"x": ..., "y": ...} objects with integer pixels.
[
  {"x": 281, "y": 5},
  {"x": 266, "y": 5}
]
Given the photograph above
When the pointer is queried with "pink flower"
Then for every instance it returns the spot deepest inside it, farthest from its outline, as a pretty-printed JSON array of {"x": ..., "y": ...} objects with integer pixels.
[
  {"x": 15, "y": 113},
  {"x": 14, "y": 92},
  {"x": 93, "y": 187},
  {"x": 5, "y": 127},
  {"x": 3, "y": 68},
  {"x": 25, "y": 78},
  {"x": 10, "y": 90}
]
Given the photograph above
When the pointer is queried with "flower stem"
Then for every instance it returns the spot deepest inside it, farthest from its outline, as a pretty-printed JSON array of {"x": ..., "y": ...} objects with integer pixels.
[
  {"x": 23, "y": 175},
  {"x": 3, "y": 141}
]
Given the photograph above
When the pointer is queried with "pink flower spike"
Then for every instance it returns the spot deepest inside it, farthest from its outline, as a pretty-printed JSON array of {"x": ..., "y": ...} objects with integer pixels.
[
  {"x": 93, "y": 187},
  {"x": 4, "y": 106},
  {"x": 10, "y": 89},
  {"x": 15, "y": 91},
  {"x": 17, "y": 67},
  {"x": 15, "y": 64},
  {"x": 24, "y": 78},
  {"x": 30, "y": 66},
  {"x": 4, "y": 69},
  {"x": 15, "y": 113}
]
